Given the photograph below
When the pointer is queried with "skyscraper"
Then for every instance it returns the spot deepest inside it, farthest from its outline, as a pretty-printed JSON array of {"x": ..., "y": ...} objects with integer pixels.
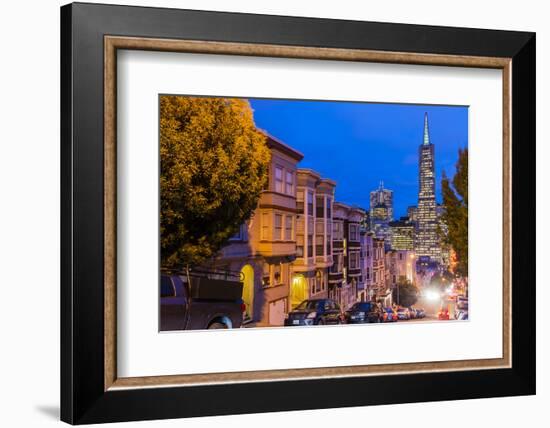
[
  {"x": 381, "y": 212},
  {"x": 382, "y": 196},
  {"x": 427, "y": 239}
]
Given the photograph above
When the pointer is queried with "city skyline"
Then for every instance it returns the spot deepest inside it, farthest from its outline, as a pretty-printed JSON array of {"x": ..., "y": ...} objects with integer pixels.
[{"x": 388, "y": 135}]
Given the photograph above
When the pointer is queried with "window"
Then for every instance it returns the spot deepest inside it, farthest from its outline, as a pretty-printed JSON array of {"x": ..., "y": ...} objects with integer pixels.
[
  {"x": 310, "y": 238},
  {"x": 278, "y": 227},
  {"x": 266, "y": 276},
  {"x": 319, "y": 238},
  {"x": 300, "y": 201},
  {"x": 400, "y": 256},
  {"x": 368, "y": 273},
  {"x": 299, "y": 245},
  {"x": 335, "y": 268},
  {"x": 329, "y": 208},
  {"x": 166, "y": 287},
  {"x": 265, "y": 226},
  {"x": 309, "y": 203},
  {"x": 289, "y": 189},
  {"x": 242, "y": 234},
  {"x": 329, "y": 239},
  {"x": 318, "y": 281},
  {"x": 354, "y": 232},
  {"x": 277, "y": 275},
  {"x": 279, "y": 179},
  {"x": 320, "y": 207},
  {"x": 354, "y": 260},
  {"x": 288, "y": 228},
  {"x": 338, "y": 230}
]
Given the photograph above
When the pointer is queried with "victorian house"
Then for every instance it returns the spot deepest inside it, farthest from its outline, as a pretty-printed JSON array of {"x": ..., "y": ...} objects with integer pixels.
[
  {"x": 265, "y": 247},
  {"x": 314, "y": 249},
  {"x": 347, "y": 253}
]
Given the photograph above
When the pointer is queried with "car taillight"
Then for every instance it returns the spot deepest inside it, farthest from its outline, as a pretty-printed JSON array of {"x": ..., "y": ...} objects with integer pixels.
[{"x": 243, "y": 307}]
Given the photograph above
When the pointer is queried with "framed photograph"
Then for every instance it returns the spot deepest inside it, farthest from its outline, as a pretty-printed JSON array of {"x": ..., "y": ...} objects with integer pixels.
[{"x": 266, "y": 213}]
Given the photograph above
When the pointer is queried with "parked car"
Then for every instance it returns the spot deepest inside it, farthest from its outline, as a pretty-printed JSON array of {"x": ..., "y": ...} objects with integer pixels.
[
  {"x": 211, "y": 301},
  {"x": 462, "y": 302},
  {"x": 403, "y": 314},
  {"x": 461, "y": 315},
  {"x": 443, "y": 314},
  {"x": 412, "y": 313},
  {"x": 315, "y": 312},
  {"x": 391, "y": 314},
  {"x": 363, "y": 312},
  {"x": 420, "y": 313}
]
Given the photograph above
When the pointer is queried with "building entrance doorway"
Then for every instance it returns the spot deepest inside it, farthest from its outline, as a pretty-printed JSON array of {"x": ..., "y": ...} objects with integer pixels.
[
  {"x": 247, "y": 274},
  {"x": 298, "y": 291}
]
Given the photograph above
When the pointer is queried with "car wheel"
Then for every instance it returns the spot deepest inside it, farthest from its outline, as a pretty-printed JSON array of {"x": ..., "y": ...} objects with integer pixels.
[{"x": 216, "y": 326}]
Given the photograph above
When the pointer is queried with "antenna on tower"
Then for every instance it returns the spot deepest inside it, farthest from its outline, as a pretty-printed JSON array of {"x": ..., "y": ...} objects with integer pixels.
[{"x": 426, "y": 130}]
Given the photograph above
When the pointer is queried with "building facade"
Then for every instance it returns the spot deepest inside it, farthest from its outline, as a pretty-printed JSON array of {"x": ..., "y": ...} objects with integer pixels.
[
  {"x": 314, "y": 253},
  {"x": 265, "y": 248},
  {"x": 384, "y": 197},
  {"x": 377, "y": 287},
  {"x": 427, "y": 239},
  {"x": 402, "y": 233},
  {"x": 346, "y": 273},
  {"x": 401, "y": 266}
]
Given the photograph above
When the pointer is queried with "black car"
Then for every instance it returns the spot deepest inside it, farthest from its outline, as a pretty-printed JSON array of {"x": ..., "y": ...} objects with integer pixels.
[
  {"x": 207, "y": 303},
  {"x": 315, "y": 312},
  {"x": 363, "y": 312}
]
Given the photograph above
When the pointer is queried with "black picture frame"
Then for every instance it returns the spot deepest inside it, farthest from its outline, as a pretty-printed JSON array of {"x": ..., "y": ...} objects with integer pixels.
[{"x": 83, "y": 398}]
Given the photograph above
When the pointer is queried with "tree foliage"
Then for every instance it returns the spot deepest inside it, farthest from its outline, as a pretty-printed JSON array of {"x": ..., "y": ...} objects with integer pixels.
[
  {"x": 214, "y": 164},
  {"x": 441, "y": 281},
  {"x": 455, "y": 200},
  {"x": 405, "y": 293}
]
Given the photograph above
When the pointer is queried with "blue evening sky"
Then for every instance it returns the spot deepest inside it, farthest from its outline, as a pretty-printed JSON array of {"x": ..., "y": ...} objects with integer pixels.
[{"x": 360, "y": 144}]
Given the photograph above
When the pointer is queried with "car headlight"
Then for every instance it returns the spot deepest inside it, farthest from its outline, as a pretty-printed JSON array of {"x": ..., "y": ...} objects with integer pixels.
[{"x": 311, "y": 315}]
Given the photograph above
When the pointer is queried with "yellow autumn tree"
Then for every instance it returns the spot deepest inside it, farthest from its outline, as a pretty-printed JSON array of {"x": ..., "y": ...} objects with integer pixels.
[{"x": 214, "y": 164}]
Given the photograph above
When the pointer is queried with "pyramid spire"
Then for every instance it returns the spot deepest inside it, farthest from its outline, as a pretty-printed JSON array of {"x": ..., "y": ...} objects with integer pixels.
[{"x": 426, "y": 130}]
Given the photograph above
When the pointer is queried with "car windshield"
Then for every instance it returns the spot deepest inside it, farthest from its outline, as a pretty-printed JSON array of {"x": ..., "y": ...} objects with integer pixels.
[
  {"x": 361, "y": 306},
  {"x": 306, "y": 305}
]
